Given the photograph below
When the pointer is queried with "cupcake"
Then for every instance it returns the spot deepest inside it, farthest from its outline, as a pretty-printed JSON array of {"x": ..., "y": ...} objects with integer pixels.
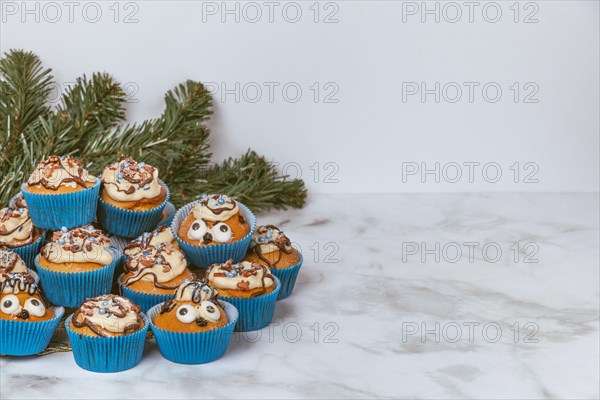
[
  {"x": 132, "y": 198},
  {"x": 60, "y": 192},
  {"x": 76, "y": 264},
  {"x": 12, "y": 263},
  {"x": 250, "y": 287},
  {"x": 17, "y": 232},
  {"x": 213, "y": 229},
  {"x": 107, "y": 333},
  {"x": 152, "y": 274},
  {"x": 27, "y": 321},
  {"x": 269, "y": 246},
  {"x": 162, "y": 234},
  {"x": 194, "y": 327}
]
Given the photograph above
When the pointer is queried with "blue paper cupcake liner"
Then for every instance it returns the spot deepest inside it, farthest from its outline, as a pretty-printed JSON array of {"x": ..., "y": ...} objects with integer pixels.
[
  {"x": 25, "y": 338},
  {"x": 120, "y": 243},
  {"x": 256, "y": 312},
  {"x": 53, "y": 211},
  {"x": 194, "y": 347},
  {"x": 287, "y": 277},
  {"x": 145, "y": 300},
  {"x": 71, "y": 289},
  {"x": 107, "y": 354},
  {"x": 29, "y": 251},
  {"x": 170, "y": 211},
  {"x": 129, "y": 223},
  {"x": 203, "y": 256}
]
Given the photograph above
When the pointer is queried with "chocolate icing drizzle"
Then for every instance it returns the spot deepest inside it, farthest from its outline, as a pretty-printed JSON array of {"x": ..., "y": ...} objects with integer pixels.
[
  {"x": 144, "y": 240},
  {"x": 140, "y": 264},
  {"x": 80, "y": 319},
  {"x": 8, "y": 260},
  {"x": 228, "y": 204},
  {"x": 5, "y": 215},
  {"x": 281, "y": 241},
  {"x": 87, "y": 235},
  {"x": 53, "y": 163},
  {"x": 21, "y": 282},
  {"x": 199, "y": 289},
  {"x": 240, "y": 270},
  {"x": 132, "y": 172}
]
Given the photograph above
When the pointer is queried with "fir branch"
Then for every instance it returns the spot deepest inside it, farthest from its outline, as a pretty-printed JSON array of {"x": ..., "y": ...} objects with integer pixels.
[{"x": 254, "y": 181}]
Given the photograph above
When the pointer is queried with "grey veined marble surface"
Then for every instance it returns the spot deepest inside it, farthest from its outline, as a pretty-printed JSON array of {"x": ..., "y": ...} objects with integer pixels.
[{"x": 404, "y": 296}]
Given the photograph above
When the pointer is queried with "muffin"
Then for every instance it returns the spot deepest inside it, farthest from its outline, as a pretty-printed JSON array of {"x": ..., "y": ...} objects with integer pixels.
[
  {"x": 195, "y": 308},
  {"x": 152, "y": 275},
  {"x": 107, "y": 333},
  {"x": 27, "y": 320},
  {"x": 132, "y": 186},
  {"x": 213, "y": 229},
  {"x": 60, "y": 192},
  {"x": 250, "y": 287},
  {"x": 216, "y": 218},
  {"x": 162, "y": 234},
  {"x": 269, "y": 246},
  {"x": 107, "y": 315},
  {"x": 76, "y": 264},
  {"x": 132, "y": 198},
  {"x": 12, "y": 263}
]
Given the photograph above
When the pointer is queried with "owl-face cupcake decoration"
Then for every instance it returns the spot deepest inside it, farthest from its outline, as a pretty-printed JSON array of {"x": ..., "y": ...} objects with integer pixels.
[
  {"x": 215, "y": 219},
  {"x": 195, "y": 308},
  {"x": 22, "y": 300}
]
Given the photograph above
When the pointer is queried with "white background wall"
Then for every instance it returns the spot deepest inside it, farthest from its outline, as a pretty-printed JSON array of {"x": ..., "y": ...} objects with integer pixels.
[{"x": 363, "y": 127}]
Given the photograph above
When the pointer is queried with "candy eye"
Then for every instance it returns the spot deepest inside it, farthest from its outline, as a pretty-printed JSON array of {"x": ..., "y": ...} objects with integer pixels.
[
  {"x": 10, "y": 304},
  {"x": 35, "y": 307},
  {"x": 209, "y": 311},
  {"x": 221, "y": 232},
  {"x": 186, "y": 314},
  {"x": 197, "y": 230}
]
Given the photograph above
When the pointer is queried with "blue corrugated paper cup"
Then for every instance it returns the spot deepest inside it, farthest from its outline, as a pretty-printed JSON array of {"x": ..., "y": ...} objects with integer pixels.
[
  {"x": 257, "y": 312},
  {"x": 194, "y": 347},
  {"x": 145, "y": 300},
  {"x": 53, "y": 211},
  {"x": 25, "y": 338},
  {"x": 129, "y": 223},
  {"x": 170, "y": 213},
  {"x": 287, "y": 277},
  {"x": 108, "y": 354},
  {"x": 29, "y": 251},
  {"x": 203, "y": 256},
  {"x": 71, "y": 289}
]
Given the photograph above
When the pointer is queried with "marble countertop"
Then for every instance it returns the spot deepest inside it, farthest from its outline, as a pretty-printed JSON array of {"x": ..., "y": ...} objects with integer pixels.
[{"x": 404, "y": 296}]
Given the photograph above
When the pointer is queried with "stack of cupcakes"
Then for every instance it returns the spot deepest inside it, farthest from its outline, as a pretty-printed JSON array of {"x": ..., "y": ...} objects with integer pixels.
[{"x": 76, "y": 231}]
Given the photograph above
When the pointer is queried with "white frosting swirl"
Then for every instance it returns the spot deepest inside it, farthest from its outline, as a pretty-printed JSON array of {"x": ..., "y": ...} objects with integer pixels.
[
  {"x": 109, "y": 313},
  {"x": 270, "y": 239},
  {"x": 79, "y": 245},
  {"x": 16, "y": 228},
  {"x": 161, "y": 234},
  {"x": 241, "y": 276},
  {"x": 11, "y": 262},
  {"x": 129, "y": 180},
  {"x": 215, "y": 207},
  {"x": 158, "y": 264},
  {"x": 60, "y": 171}
]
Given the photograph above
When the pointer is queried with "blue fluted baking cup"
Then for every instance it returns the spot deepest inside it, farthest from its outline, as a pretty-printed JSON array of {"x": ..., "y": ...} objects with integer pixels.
[
  {"x": 203, "y": 256},
  {"x": 129, "y": 223},
  {"x": 170, "y": 211},
  {"x": 29, "y": 251},
  {"x": 108, "y": 354},
  {"x": 287, "y": 277},
  {"x": 145, "y": 300},
  {"x": 120, "y": 243},
  {"x": 255, "y": 312},
  {"x": 70, "y": 289},
  {"x": 25, "y": 338},
  {"x": 55, "y": 210},
  {"x": 194, "y": 347}
]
